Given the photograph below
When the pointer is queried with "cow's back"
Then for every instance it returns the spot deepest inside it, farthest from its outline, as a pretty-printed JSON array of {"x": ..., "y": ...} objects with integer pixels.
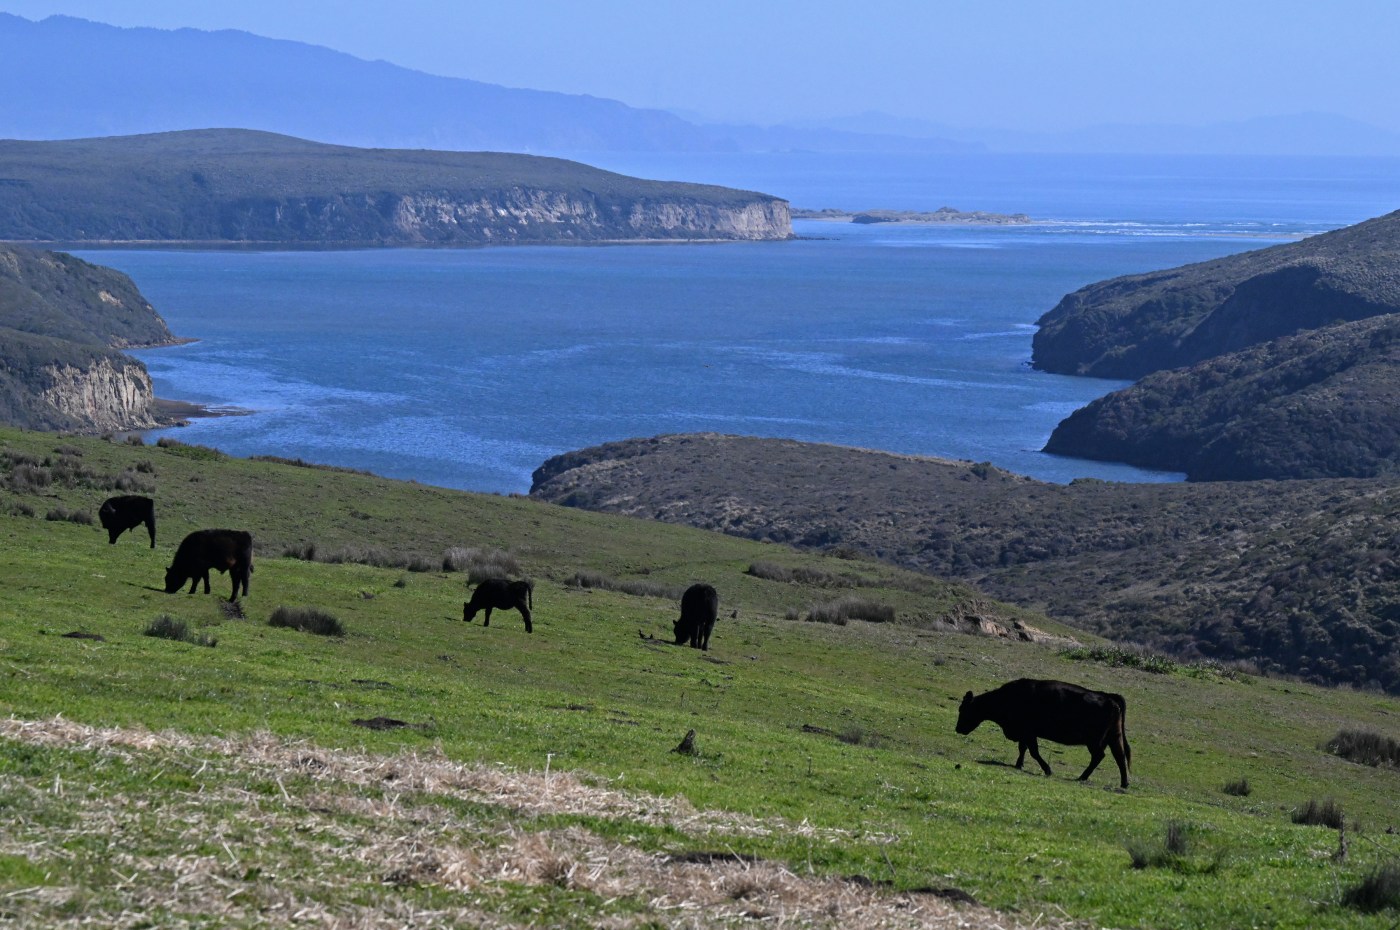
[{"x": 1055, "y": 710}]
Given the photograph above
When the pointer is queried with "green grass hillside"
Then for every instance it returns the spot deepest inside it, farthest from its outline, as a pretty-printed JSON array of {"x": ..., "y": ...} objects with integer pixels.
[{"x": 534, "y": 782}]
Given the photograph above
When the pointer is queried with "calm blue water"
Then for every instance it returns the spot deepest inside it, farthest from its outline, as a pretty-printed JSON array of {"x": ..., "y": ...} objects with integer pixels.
[{"x": 469, "y": 368}]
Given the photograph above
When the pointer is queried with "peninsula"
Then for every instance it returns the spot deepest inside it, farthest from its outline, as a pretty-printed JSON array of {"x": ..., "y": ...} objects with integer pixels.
[
  {"x": 242, "y": 187},
  {"x": 941, "y": 216}
]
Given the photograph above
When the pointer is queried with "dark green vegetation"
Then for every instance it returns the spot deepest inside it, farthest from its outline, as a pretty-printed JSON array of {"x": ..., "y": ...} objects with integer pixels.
[
  {"x": 1322, "y": 404},
  {"x": 1131, "y": 326},
  {"x": 61, "y": 319},
  {"x": 1297, "y": 577},
  {"x": 1277, "y": 363},
  {"x": 532, "y": 780},
  {"x": 240, "y": 186}
]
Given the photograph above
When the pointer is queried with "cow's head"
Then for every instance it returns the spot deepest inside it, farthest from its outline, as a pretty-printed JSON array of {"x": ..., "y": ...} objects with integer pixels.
[
  {"x": 682, "y": 629},
  {"x": 468, "y": 611},
  {"x": 968, "y": 718},
  {"x": 174, "y": 580}
]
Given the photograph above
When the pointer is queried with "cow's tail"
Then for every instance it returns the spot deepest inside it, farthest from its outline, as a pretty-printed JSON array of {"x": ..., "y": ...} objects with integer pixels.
[{"x": 1122, "y": 727}]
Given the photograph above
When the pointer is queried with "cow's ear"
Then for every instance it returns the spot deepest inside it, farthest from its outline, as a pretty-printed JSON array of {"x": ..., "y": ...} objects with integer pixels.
[{"x": 967, "y": 697}]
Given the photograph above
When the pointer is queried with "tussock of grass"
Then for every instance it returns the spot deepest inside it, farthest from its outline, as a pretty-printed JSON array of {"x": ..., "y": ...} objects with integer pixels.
[
  {"x": 772, "y": 571},
  {"x": 1239, "y": 788},
  {"x": 1379, "y": 890},
  {"x": 1172, "y": 851},
  {"x": 374, "y": 556},
  {"x": 633, "y": 586},
  {"x": 166, "y": 627},
  {"x": 1326, "y": 813},
  {"x": 481, "y": 564},
  {"x": 1365, "y": 747},
  {"x": 63, "y": 514},
  {"x": 307, "y": 620},
  {"x": 1124, "y": 655},
  {"x": 841, "y": 611}
]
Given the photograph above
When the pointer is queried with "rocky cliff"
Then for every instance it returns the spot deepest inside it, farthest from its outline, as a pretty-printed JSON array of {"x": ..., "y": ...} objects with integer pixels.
[
  {"x": 1131, "y": 326},
  {"x": 240, "y": 186},
  {"x": 61, "y": 321}
]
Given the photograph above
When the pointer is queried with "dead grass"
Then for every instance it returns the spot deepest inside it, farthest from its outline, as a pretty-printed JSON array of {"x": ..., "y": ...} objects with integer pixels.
[{"x": 341, "y": 816}]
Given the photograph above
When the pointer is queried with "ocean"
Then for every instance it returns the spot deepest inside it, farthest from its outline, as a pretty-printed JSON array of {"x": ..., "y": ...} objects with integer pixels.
[{"x": 468, "y": 368}]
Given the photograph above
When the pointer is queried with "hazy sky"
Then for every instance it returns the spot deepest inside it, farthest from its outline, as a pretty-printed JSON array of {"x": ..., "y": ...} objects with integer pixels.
[{"x": 1026, "y": 64}]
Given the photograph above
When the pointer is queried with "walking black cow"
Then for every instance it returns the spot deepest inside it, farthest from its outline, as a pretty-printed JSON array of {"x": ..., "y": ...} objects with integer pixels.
[
  {"x": 119, "y": 514},
  {"x": 224, "y": 550},
  {"x": 1028, "y": 709},
  {"x": 699, "y": 607},
  {"x": 500, "y": 594}
]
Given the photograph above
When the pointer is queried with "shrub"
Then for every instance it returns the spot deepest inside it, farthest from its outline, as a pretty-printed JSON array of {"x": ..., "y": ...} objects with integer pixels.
[
  {"x": 18, "y": 509},
  {"x": 1123, "y": 655},
  {"x": 133, "y": 483},
  {"x": 1239, "y": 789},
  {"x": 480, "y": 564},
  {"x": 772, "y": 571},
  {"x": 1379, "y": 889},
  {"x": 1326, "y": 813},
  {"x": 29, "y": 477},
  {"x": 307, "y": 620},
  {"x": 1172, "y": 851},
  {"x": 166, "y": 627},
  {"x": 74, "y": 451},
  {"x": 135, "y": 439},
  {"x": 188, "y": 450},
  {"x": 633, "y": 586},
  {"x": 850, "y": 608},
  {"x": 1365, "y": 747},
  {"x": 72, "y": 516}
]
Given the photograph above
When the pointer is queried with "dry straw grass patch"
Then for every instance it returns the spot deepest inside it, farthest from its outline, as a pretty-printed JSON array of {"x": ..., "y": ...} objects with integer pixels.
[{"x": 281, "y": 833}]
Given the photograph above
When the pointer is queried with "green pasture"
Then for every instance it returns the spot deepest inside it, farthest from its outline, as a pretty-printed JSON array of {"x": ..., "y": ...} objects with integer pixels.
[{"x": 846, "y": 728}]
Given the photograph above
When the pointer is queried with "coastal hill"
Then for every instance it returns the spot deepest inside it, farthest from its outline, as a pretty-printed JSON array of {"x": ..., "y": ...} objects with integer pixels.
[
  {"x": 62, "y": 321},
  {"x": 1324, "y": 403},
  {"x": 1298, "y": 577},
  {"x": 1131, "y": 326},
  {"x": 242, "y": 186}
]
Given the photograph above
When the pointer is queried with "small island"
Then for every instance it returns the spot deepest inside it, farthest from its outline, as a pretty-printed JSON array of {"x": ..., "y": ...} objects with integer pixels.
[{"x": 941, "y": 216}]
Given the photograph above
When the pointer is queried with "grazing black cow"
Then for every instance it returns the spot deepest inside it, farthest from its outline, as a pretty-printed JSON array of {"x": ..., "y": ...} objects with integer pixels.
[
  {"x": 119, "y": 514},
  {"x": 225, "y": 550},
  {"x": 499, "y": 594},
  {"x": 699, "y": 607},
  {"x": 1027, "y": 709}
]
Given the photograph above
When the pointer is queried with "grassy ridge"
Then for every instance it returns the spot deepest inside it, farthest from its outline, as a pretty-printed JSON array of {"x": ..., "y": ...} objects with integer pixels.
[{"x": 890, "y": 791}]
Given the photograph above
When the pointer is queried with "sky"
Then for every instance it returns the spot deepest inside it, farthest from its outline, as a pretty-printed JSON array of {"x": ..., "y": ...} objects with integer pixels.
[{"x": 1011, "y": 64}]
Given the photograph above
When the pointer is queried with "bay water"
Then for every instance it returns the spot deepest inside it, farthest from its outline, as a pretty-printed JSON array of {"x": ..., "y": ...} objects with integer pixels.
[{"x": 468, "y": 368}]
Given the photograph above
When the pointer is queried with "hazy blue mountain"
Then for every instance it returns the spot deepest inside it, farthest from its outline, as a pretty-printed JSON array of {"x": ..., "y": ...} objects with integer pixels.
[{"x": 69, "y": 78}]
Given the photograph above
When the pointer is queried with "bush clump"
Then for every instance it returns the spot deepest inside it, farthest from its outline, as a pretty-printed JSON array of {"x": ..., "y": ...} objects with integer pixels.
[
  {"x": 772, "y": 571},
  {"x": 1365, "y": 747},
  {"x": 1123, "y": 655},
  {"x": 1239, "y": 788},
  {"x": 1378, "y": 890},
  {"x": 307, "y": 620},
  {"x": 841, "y": 611},
  {"x": 167, "y": 627},
  {"x": 359, "y": 555},
  {"x": 60, "y": 514},
  {"x": 633, "y": 586},
  {"x": 481, "y": 564},
  {"x": 1316, "y": 813}
]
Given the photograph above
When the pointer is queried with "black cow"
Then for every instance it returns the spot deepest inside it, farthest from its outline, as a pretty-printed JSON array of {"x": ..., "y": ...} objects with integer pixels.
[
  {"x": 119, "y": 514},
  {"x": 699, "y": 607},
  {"x": 1027, "y": 709},
  {"x": 225, "y": 550},
  {"x": 500, "y": 594}
]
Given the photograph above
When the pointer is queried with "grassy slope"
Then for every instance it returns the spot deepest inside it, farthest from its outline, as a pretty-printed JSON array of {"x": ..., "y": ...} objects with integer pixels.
[{"x": 586, "y": 693}]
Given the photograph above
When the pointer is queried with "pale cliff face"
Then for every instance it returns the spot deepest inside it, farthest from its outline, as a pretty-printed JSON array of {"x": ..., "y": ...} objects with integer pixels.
[
  {"x": 520, "y": 215},
  {"x": 104, "y": 397}
]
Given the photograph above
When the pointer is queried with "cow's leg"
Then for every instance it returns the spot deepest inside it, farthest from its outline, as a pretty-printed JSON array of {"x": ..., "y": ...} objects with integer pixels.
[
  {"x": 1021, "y": 756},
  {"x": 1095, "y": 757},
  {"x": 206, "y": 581},
  {"x": 1034, "y": 748},
  {"x": 486, "y": 620},
  {"x": 525, "y": 612},
  {"x": 1120, "y": 755},
  {"x": 194, "y": 583},
  {"x": 151, "y": 525}
]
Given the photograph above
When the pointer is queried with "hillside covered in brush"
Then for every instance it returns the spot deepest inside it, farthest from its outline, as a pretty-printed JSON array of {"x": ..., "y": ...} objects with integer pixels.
[
  {"x": 1131, "y": 326},
  {"x": 1299, "y": 577},
  {"x": 62, "y": 324},
  {"x": 241, "y": 186},
  {"x": 1323, "y": 403}
]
